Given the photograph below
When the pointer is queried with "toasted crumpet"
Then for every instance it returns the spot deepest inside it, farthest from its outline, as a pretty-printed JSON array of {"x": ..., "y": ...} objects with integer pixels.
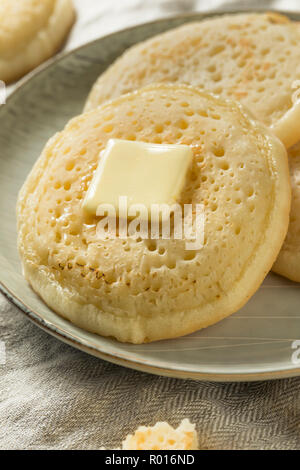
[
  {"x": 252, "y": 58},
  {"x": 140, "y": 290},
  {"x": 288, "y": 261}
]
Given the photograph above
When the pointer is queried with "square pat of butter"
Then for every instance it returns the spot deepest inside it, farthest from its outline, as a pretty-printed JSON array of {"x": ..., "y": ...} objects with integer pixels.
[{"x": 145, "y": 173}]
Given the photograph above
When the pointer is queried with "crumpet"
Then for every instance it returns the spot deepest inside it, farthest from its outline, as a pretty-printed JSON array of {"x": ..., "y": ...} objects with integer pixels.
[
  {"x": 31, "y": 31},
  {"x": 252, "y": 58},
  {"x": 288, "y": 261},
  {"x": 140, "y": 290}
]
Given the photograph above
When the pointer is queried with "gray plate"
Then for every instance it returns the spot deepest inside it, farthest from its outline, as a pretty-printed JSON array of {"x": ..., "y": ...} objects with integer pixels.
[{"x": 253, "y": 344}]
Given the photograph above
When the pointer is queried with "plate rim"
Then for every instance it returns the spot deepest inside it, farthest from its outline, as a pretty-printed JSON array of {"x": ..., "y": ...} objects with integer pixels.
[
  {"x": 79, "y": 343},
  {"x": 116, "y": 358}
]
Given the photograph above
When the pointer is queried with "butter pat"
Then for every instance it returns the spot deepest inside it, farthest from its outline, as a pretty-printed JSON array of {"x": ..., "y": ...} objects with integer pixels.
[{"x": 145, "y": 173}]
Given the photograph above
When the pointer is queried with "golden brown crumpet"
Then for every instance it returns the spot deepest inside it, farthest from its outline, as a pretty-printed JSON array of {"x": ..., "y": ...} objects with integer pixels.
[
  {"x": 31, "y": 31},
  {"x": 252, "y": 58},
  {"x": 288, "y": 261},
  {"x": 140, "y": 290}
]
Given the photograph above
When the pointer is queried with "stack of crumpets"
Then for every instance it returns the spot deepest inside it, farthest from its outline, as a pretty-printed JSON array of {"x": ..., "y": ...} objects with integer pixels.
[
  {"x": 252, "y": 58},
  {"x": 225, "y": 89}
]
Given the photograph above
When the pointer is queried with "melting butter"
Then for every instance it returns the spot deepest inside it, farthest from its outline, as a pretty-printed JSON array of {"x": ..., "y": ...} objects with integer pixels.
[{"x": 144, "y": 173}]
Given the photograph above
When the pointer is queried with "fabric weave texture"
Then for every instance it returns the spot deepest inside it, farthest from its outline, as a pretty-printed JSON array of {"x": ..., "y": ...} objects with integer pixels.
[{"x": 55, "y": 397}]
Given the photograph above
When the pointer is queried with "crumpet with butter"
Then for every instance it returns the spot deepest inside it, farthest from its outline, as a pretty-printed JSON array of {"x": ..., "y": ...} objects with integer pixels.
[{"x": 139, "y": 289}]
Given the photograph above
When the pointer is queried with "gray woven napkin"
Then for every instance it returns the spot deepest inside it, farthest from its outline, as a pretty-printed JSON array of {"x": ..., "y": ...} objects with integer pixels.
[{"x": 55, "y": 397}]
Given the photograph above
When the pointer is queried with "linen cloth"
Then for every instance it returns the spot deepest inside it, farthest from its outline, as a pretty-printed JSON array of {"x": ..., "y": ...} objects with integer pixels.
[{"x": 55, "y": 397}]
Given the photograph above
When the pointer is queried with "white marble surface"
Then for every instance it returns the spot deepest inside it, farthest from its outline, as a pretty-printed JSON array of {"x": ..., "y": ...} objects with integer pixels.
[{"x": 54, "y": 397}]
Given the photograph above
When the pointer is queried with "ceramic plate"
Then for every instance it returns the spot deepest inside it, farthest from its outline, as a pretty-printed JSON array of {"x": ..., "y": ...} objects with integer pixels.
[{"x": 258, "y": 342}]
